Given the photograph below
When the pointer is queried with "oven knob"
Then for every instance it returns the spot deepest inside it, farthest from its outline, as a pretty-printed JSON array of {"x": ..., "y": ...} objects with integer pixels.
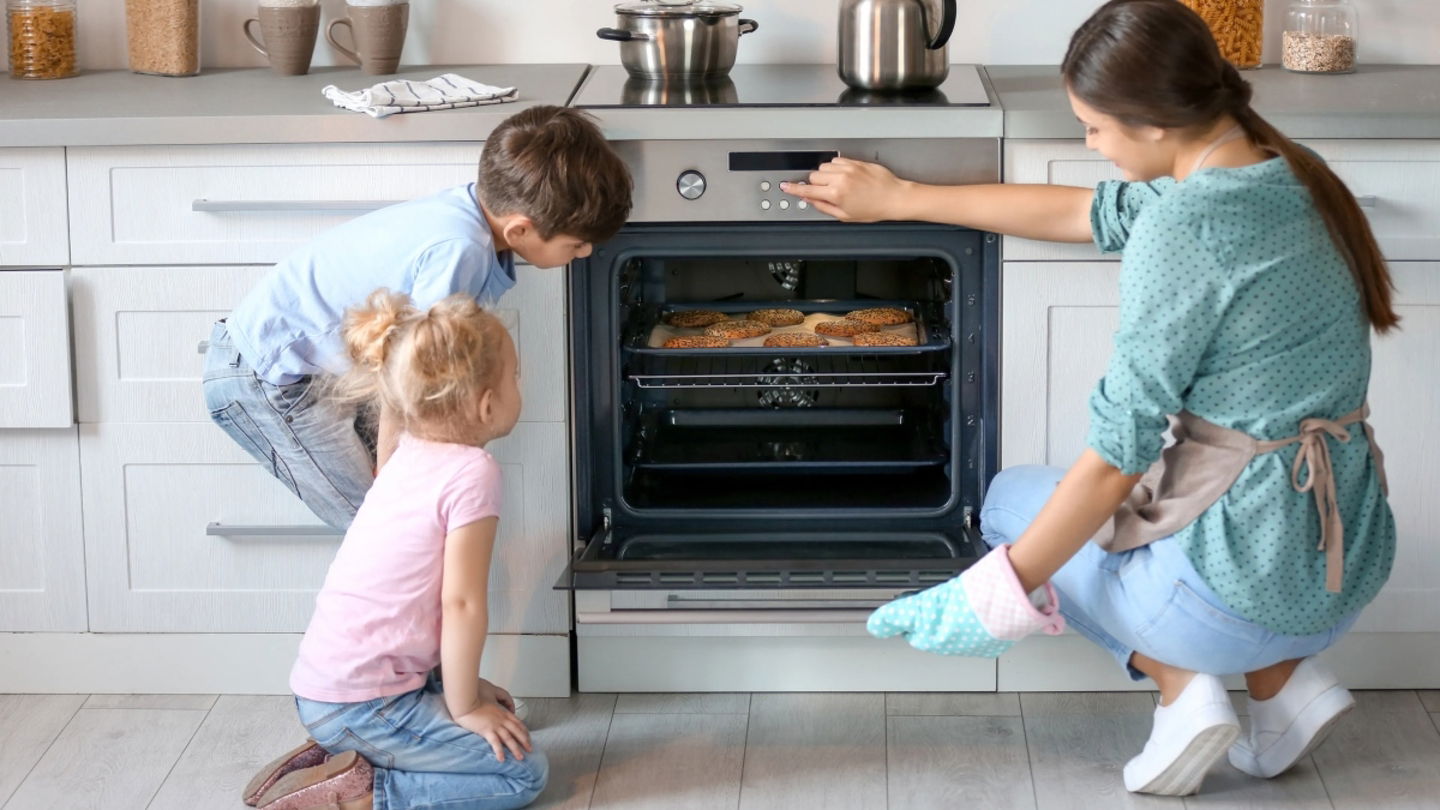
[{"x": 691, "y": 184}]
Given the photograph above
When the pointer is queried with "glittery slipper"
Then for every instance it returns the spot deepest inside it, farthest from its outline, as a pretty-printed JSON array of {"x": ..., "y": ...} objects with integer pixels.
[
  {"x": 305, "y": 755},
  {"x": 342, "y": 782}
]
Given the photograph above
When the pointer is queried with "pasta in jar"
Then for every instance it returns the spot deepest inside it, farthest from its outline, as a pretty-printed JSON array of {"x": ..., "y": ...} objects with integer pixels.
[{"x": 1238, "y": 27}]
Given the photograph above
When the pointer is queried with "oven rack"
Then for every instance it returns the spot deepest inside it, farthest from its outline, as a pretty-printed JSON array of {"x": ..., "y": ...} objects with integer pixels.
[{"x": 784, "y": 372}]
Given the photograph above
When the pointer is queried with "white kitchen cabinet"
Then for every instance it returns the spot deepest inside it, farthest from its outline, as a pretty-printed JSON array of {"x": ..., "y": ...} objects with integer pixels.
[
  {"x": 241, "y": 204},
  {"x": 1066, "y": 163},
  {"x": 42, "y": 553},
  {"x": 34, "y": 350},
  {"x": 184, "y": 532},
  {"x": 33, "y": 229}
]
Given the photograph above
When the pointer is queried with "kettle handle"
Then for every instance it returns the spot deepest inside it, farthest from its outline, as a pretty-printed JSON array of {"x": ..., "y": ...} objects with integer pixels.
[{"x": 948, "y": 12}]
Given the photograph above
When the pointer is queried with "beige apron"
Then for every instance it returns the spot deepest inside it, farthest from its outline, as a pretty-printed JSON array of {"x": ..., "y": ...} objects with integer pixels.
[
  {"x": 1203, "y": 464},
  {"x": 1206, "y": 459}
]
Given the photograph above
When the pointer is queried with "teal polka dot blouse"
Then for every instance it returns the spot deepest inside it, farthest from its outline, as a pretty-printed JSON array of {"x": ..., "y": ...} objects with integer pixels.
[{"x": 1236, "y": 306}]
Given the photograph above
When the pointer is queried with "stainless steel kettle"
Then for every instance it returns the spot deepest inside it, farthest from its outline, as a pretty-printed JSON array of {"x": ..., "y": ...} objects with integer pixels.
[{"x": 895, "y": 44}]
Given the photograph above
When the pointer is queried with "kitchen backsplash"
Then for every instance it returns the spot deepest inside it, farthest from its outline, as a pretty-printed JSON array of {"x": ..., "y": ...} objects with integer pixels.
[{"x": 1001, "y": 32}]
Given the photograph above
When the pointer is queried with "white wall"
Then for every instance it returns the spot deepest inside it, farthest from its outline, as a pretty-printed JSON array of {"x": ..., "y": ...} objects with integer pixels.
[{"x": 501, "y": 31}]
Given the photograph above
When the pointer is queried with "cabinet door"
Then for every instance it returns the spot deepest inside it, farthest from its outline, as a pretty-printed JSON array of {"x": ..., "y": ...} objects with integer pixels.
[
  {"x": 1059, "y": 320},
  {"x": 534, "y": 312},
  {"x": 533, "y": 546},
  {"x": 1404, "y": 390},
  {"x": 34, "y": 350},
  {"x": 42, "y": 553},
  {"x": 33, "y": 229},
  {"x": 1066, "y": 163},
  {"x": 138, "y": 332}
]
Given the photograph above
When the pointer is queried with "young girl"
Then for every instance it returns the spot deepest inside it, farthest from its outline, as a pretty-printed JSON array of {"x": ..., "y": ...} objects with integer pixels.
[
  {"x": 407, "y": 590},
  {"x": 1249, "y": 285}
]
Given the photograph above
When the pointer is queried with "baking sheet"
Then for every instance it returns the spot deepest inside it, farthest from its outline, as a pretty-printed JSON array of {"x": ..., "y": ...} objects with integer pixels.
[{"x": 663, "y": 332}]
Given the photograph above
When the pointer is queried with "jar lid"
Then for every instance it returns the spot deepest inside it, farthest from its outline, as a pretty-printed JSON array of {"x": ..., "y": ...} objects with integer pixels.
[{"x": 682, "y": 8}]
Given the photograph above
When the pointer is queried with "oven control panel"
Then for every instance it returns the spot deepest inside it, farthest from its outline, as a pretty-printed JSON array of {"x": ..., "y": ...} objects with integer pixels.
[{"x": 739, "y": 181}]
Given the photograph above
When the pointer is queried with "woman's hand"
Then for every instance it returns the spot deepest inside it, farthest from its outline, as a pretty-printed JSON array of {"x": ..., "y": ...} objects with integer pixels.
[
  {"x": 853, "y": 191},
  {"x": 499, "y": 726}
]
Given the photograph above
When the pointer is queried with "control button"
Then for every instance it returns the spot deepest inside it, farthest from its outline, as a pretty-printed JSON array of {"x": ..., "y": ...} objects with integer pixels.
[
  {"x": 765, "y": 205},
  {"x": 804, "y": 204},
  {"x": 764, "y": 185},
  {"x": 691, "y": 184},
  {"x": 784, "y": 205}
]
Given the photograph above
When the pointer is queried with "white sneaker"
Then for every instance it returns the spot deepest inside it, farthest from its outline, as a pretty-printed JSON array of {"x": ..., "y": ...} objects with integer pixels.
[
  {"x": 522, "y": 709},
  {"x": 1188, "y": 737},
  {"x": 1290, "y": 725}
]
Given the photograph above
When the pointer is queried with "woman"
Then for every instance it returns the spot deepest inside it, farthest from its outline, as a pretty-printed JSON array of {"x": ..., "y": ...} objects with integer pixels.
[{"x": 1249, "y": 285}]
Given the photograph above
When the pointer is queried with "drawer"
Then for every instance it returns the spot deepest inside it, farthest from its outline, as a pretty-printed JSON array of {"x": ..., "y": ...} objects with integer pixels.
[
  {"x": 42, "y": 555},
  {"x": 137, "y": 335},
  {"x": 1396, "y": 182},
  {"x": 241, "y": 204},
  {"x": 35, "y": 359},
  {"x": 33, "y": 228}
]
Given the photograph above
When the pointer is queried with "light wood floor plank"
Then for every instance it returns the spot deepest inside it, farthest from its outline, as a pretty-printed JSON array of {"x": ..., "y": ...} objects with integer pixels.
[
  {"x": 684, "y": 703},
  {"x": 1078, "y": 744},
  {"x": 815, "y": 750},
  {"x": 571, "y": 731},
  {"x": 952, "y": 704},
  {"x": 28, "y": 725},
  {"x": 107, "y": 759},
  {"x": 1430, "y": 698},
  {"x": 241, "y": 734},
  {"x": 949, "y": 762},
  {"x": 194, "y": 702},
  {"x": 1384, "y": 754},
  {"x": 672, "y": 762},
  {"x": 1228, "y": 789}
]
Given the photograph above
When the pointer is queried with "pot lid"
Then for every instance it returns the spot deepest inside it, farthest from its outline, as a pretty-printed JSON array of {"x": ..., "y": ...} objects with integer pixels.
[{"x": 677, "y": 8}]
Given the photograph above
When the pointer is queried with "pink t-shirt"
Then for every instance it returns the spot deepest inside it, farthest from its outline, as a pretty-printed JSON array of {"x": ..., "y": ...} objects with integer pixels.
[{"x": 376, "y": 627}]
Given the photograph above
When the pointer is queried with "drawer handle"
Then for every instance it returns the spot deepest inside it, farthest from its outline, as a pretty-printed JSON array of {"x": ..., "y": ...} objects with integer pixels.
[
  {"x": 1367, "y": 201},
  {"x": 222, "y": 530},
  {"x": 202, "y": 347},
  {"x": 286, "y": 206}
]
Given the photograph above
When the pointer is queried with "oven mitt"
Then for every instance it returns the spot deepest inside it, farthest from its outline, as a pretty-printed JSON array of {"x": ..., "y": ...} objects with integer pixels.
[{"x": 981, "y": 613}]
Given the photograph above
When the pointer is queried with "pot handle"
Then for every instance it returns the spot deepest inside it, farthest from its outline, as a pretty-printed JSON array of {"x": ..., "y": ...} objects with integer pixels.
[
  {"x": 948, "y": 13},
  {"x": 622, "y": 35},
  {"x": 748, "y": 27}
]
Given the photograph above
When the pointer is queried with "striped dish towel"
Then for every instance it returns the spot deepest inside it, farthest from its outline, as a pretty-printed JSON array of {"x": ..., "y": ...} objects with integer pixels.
[{"x": 444, "y": 92}]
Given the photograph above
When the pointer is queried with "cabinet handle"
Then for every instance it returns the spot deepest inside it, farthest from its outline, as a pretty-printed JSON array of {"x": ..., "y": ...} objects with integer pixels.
[
  {"x": 1367, "y": 200},
  {"x": 286, "y": 206},
  {"x": 202, "y": 347},
  {"x": 222, "y": 530}
]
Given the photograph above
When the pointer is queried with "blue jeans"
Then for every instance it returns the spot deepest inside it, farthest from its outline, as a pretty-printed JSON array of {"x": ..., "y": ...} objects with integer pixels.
[
  {"x": 1149, "y": 600},
  {"x": 313, "y": 446},
  {"x": 422, "y": 758}
]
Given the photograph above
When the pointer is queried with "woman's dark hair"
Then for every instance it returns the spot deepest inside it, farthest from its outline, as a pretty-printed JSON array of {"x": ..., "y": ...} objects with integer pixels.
[{"x": 1155, "y": 63}]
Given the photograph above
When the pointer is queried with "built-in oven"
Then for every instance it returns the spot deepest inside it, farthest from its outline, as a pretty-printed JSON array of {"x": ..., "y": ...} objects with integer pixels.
[{"x": 753, "y": 483}]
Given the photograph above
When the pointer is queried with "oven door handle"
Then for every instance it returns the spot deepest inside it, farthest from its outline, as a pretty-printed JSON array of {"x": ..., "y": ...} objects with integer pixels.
[{"x": 722, "y": 617}]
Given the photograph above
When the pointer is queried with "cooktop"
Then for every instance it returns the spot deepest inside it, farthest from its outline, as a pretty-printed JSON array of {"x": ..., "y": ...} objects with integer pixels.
[{"x": 610, "y": 86}]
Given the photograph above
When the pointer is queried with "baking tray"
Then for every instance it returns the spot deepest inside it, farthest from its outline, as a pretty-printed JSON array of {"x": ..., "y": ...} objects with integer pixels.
[{"x": 648, "y": 341}]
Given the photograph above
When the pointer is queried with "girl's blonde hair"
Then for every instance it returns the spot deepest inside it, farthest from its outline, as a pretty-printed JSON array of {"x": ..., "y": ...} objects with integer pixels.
[{"x": 429, "y": 368}]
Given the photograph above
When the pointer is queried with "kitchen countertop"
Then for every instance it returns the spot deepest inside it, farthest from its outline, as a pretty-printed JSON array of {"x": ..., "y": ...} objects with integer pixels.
[
  {"x": 1377, "y": 101},
  {"x": 253, "y": 105}
]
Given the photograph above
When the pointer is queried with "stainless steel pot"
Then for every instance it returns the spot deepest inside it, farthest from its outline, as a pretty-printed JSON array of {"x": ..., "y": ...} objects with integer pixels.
[
  {"x": 891, "y": 45},
  {"x": 666, "y": 39}
]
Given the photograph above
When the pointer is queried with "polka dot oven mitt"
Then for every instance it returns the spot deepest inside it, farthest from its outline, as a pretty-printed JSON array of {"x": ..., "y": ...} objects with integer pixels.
[{"x": 980, "y": 613}]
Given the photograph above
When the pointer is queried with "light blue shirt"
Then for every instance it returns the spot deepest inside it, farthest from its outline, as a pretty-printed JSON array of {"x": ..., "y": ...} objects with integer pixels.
[{"x": 288, "y": 327}]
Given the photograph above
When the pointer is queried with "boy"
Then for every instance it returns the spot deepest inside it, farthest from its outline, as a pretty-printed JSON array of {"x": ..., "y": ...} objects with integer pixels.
[{"x": 549, "y": 187}]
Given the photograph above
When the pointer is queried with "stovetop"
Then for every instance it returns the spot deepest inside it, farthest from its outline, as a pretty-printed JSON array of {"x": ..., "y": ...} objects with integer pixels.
[{"x": 610, "y": 87}]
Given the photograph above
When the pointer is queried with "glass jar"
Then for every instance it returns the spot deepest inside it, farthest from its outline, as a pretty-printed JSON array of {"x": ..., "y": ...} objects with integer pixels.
[
  {"x": 42, "y": 38},
  {"x": 1238, "y": 26},
  {"x": 1320, "y": 36},
  {"x": 164, "y": 36}
]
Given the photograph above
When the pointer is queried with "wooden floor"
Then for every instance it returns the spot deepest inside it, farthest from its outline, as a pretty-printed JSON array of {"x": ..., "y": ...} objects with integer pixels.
[{"x": 676, "y": 752}]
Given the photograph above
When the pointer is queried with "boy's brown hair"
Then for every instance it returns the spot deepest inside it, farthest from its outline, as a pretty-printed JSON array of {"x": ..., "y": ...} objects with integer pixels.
[{"x": 551, "y": 164}]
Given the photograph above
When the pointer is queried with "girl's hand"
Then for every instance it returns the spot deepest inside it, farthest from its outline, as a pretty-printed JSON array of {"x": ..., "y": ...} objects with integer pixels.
[
  {"x": 495, "y": 693},
  {"x": 500, "y": 727},
  {"x": 853, "y": 191}
]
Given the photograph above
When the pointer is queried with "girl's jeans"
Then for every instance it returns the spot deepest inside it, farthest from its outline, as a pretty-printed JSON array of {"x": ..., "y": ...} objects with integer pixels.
[
  {"x": 422, "y": 758},
  {"x": 1149, "y": 600}
]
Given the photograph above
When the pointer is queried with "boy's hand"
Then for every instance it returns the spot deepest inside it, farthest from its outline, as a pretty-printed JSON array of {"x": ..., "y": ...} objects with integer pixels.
[
  {"x": 499, "y": 726},
  {"x": 853, "y": 191},
  {"x": 495, "y": 693}
]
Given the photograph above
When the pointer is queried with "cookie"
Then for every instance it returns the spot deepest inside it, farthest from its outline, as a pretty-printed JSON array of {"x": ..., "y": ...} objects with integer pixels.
[
  {"x": 845, "y": 328},
  {"x": 696, "y": 342},
  {"x": 737, "y": 330},
  {"x": 693, "y": 318},
  {"x": 881, "y": 316},
  {"x": 795, "y": 340},
  {"x": 883, "y": 339},
  {"x": 778, "y": 317}
]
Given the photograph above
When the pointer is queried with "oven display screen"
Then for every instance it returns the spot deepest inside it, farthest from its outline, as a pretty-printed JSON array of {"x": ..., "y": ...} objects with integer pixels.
[{"x": 778, "y": 161}]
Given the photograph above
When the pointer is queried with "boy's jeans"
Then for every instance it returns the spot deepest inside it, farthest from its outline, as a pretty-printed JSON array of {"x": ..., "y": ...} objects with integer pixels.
[
  {"x": 422, "y": 758},
  {"x": 312, "y": 446}
]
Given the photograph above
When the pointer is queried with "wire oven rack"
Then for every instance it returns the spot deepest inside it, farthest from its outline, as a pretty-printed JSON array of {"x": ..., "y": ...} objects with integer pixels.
[{"x": 784, "y": 372}]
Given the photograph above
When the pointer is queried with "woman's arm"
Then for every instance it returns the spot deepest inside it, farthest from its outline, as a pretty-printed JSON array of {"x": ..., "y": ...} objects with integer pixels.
[
  {"x": 1085, "y": 498},
  {"x": 855, "y": 191}
]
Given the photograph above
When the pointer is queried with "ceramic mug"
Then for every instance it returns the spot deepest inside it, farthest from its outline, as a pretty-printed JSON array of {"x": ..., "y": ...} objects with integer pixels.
[
  {"x": 288, "y": 30},
  {"x": 377, "y": 27}
]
